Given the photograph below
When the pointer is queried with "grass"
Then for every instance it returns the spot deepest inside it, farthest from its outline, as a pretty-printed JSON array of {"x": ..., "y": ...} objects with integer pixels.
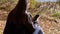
[
  {"x": 45, "y": 21},
  {"x": 56, "y": 14}
]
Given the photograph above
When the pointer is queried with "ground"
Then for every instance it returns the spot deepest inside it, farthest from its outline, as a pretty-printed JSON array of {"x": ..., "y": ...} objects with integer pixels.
[{"x": 49, "y": 24}]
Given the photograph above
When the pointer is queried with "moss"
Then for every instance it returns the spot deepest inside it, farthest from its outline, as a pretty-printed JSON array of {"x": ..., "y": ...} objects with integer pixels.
[{"x": 56, "y": 14}]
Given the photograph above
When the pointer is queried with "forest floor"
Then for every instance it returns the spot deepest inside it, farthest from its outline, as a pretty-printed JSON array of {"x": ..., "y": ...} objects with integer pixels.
[
  {"x": 50, "y": 25},
  {"x": 2, "y": 25}
]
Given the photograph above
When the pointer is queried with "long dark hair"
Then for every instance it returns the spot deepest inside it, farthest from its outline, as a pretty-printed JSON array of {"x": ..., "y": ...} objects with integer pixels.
[
  {"x": 20, "y": 7},
  {"x": 18, "y": 18}
]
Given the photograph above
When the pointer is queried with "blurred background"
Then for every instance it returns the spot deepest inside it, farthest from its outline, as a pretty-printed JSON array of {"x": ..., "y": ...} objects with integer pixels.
[{"x": 49, "y": 11}]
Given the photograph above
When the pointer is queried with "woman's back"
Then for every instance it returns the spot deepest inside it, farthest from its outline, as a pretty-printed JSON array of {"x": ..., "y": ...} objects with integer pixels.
[{"x": 17, "y": 20}]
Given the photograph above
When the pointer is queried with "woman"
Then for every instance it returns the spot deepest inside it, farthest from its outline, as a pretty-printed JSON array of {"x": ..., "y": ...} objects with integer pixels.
[{"x": 18, "y": 21}]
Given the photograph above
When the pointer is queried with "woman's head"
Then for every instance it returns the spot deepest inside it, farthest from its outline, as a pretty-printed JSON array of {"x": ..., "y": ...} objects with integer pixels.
[{"x": 21, "y": 6}]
